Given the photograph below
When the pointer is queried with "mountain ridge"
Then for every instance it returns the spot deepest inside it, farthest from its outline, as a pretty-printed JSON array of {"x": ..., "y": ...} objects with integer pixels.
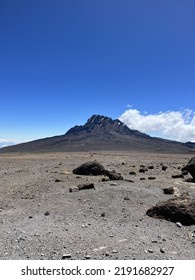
[{"x": 101, "y": 133}]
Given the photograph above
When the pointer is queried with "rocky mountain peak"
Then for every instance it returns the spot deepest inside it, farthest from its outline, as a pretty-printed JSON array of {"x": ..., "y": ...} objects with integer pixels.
[
  {"x": 102, "y": 126},
  {"x": 98, "y": 119}
]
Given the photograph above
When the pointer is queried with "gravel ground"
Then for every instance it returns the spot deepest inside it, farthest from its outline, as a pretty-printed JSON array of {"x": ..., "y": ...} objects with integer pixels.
[{"x": 41, "y": 219}]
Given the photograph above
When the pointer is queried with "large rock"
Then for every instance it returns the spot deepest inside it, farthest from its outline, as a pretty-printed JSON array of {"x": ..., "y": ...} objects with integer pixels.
[
  {"x": 190, "y": 167},
  {"x": 95, "y": 168},
  {"x": 90, "y": 168},
  {"x": 181, "y": 209},
  {"x": 112, "y": 175}
]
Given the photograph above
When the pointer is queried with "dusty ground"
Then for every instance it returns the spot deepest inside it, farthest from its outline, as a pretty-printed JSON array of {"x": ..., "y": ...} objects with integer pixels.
[{"x": 41, "y": 219}]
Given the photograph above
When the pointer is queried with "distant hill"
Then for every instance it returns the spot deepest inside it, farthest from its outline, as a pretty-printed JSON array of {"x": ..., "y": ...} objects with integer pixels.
[{"x": 101, "y": 133}]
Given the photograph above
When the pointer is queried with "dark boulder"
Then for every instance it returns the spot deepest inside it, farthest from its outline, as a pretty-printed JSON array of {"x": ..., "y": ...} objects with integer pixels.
[
  {"x": 164, "y": 168},
  {"x": 86, "y": 187},
  {"x": 180, "y": 209},
  {"x": 176, "y": 176},
  {"x": 190, "y": 167},
  {"x": 168, "y": 190},
  {"x": 112, "y": 175},
  {"x": 90, "y": 168},
  {"x": 95, "y": 168}
]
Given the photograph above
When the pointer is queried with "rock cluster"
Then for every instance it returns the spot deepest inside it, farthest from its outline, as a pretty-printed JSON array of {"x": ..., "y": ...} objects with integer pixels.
[{"x": 95, "y": 168}]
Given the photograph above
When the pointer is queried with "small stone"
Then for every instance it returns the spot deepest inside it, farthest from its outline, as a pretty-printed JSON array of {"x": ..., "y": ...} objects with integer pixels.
[
  {"x": 57, "y": 180},
  {"x": 151, "y": 167},
  {"x": 164, "y": 168},
  {"x": 47, "y": 213},
  {"x": 30, "y": 217},
  {"x": 168, "y": 190},
  {"x": 126, "y": 198},
  {"x": 150, "y": 251},
  {"x": 73, "y": 189},
  {"x": 132, "y": 173},
  {"x": 142, "y": 179},
  {"x": 175, "y": 176},
  {"x": 66, "y": 256},
  {"x": 142, "y": 170},
  {"x": 86, "y": 186},
  {"x": 114, "y": 251},
  {"x": 151, "y": 178},
  {"x": 103, "y": 214},
  {"x": 107, "y": 254},
  {"x": 105, "y": 179},
  {"x": 178, "y": 224},
  {"x": 113, "y": 184},
  {"x": 87, "y": 257},
  {"x": 162, "y": 250}
]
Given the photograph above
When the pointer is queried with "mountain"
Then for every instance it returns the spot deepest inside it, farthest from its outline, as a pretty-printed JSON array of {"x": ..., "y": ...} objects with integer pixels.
[{"x": 101, "y": 133}]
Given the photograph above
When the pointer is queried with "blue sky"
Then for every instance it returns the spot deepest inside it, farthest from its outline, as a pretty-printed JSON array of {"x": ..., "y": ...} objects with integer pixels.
[{"x": 62, "y": 61}]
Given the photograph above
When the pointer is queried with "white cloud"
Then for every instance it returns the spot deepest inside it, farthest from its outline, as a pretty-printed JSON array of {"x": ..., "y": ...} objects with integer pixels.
[
  {"x": 174, "y": 125},
  {"x": 8, "y": 142}
]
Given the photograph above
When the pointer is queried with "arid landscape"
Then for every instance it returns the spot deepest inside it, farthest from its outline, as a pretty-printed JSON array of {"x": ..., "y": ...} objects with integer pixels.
[{"x": 41, "y": 218}]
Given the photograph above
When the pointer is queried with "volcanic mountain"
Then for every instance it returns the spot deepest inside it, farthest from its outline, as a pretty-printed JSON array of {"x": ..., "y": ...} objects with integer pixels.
[{"x": 101, "y": 133}]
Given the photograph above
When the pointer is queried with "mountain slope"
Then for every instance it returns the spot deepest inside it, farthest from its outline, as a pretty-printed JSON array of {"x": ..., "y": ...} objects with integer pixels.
[{"x": 101, "y": 133}]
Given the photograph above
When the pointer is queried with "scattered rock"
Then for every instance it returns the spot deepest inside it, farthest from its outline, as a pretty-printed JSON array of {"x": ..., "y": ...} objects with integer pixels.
[
  {"x": 132, "y": 173},
  {"x": 66, "y": 256},
  {"x": 113, "y": 184},
  {"x": 126, "y": 198},
  {"x": 90, "y": 168},
  {"x": 114, "y": 251},
  {"x": 175, "y": 176},
  {"x": 190, "y": 167},
  {"x": 142, "y": 179},
  {"x": 47, "y": 213},
  {"x": 112, "y": 175},
  {"x": 105, "y": 179},
  {"x": 169, "y": 190},
  {"x": 162, "y": 250},
  {"x": 164, "y": 168},
  {"x": 87, "y": 257},
  {"x": 180, "y": 209},
  {"x": 57, "y": 180},
  {"x": 151, "y": 178},
  {"x": 150, "y": 167},
  {"x": 86, "y": 186},
  {"x": 74, "y": 189},
  {"x": 178, "y": 225},
  {"x": 150, "y": 251},
  {"x": 142, "y": 170}
]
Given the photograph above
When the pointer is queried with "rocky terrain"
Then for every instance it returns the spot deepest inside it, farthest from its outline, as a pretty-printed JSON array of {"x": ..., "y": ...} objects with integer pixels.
[{"x": 48, "y": 212}]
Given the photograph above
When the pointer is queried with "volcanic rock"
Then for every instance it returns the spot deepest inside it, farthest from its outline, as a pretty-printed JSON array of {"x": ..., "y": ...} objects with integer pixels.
[
  {"x": 176, "y": 176},
  {"x": 112, "y": 175},
  {"x": 90, "y": 168},
  {"x": 169, "y": 190},
  {"x": 86, "y": 187},
  {"x": 180, "y": 209},
  {"x": 190, "y": 167}
]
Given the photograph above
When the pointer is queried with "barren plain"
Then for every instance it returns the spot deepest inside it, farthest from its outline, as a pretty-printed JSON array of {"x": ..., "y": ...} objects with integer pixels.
[{"x": 41, "y": 219}]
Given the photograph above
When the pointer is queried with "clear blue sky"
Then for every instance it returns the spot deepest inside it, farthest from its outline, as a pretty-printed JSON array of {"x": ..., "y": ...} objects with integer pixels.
[{"x": 62, "y": 61}]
